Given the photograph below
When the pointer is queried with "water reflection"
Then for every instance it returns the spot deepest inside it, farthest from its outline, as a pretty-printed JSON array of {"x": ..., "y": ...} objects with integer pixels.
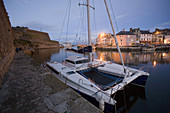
[
  {"x": 42, "y": 55},
  {"x": 135, "y": 58},
  {"x": 132, "y": 58},
  {"x": 128, "y": 97},
  {"x": 133, "y": 98}
]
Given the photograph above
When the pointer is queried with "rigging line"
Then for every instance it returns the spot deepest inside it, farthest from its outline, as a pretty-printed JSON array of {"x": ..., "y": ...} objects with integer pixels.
[
  {"x": 95, "y": 28},
  {"x": 63, "y": 21},
  {"x": 125, "y": 100},
  {"x": 85, "y": 23},
  {"x": 81, "y": 29},
  {"x": 68, "y": 19},
  {"x": 114, "y": 16},
  {"x": 79, "y": 26},
  {"x": 115, "y": 108}
]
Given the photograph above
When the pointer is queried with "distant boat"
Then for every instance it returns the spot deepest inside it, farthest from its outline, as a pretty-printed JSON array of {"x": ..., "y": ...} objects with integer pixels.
[
  {"x": 66, "y": 45},
  {"x": 78, "y": 49},
  {"x": 148, "y": 49}
]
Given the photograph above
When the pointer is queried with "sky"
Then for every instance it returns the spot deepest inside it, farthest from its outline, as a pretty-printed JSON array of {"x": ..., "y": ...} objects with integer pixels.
[{"x": 65, "y": 20}]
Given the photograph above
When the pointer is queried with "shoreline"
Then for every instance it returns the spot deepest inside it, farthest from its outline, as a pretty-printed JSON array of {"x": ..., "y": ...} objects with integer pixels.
[
  {"x": 129, "y": 49},
  {"x": 28, "y": 87}
]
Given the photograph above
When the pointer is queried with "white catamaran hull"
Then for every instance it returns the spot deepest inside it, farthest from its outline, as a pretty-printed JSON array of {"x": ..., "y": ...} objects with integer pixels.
[
  {"x": 77, "y": 80},
  {"x": 79, "y": 83}
]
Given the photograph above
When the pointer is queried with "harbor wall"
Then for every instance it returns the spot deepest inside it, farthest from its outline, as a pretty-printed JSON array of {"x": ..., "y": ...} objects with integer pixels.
[
  {"x": 6, "y": 42},
  {"x": 130, "y": 49},
  {"x": 26, "y": 38},
  {"x": 121, "y": 48}
]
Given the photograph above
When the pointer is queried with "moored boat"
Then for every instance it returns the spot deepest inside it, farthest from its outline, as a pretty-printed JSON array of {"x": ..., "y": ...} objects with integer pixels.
[{"x": 97, "y": 79}]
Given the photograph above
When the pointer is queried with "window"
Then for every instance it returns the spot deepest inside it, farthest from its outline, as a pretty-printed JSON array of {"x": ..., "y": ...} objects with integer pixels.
[
  {"x": 82, "y": 61},
  {"x": 69, "y": 61},
  {"x": 70, "y": 72}
]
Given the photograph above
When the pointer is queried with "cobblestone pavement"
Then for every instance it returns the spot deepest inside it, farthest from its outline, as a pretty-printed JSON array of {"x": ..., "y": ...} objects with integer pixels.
[{"x": 29, "y": 88}]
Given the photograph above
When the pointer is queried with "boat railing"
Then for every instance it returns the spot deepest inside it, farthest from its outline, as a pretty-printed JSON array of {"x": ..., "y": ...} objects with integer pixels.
[
  {"x": 83, "y": 83},
  {"x": 94, "y": 64},
  {"x": 66, "y": 79},
  {"x": 98, "y": 89}
]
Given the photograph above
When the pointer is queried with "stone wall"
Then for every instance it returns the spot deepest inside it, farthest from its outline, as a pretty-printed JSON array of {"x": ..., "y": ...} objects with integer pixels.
[
  {"x": 31, "y": 35},
  {"x": 6, "y": 41},
  {"x": 39, "y": 40}
]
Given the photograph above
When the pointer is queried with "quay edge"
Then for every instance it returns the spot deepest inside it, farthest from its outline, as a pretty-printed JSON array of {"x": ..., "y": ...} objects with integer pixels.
[{"x": 29, "y": 87}]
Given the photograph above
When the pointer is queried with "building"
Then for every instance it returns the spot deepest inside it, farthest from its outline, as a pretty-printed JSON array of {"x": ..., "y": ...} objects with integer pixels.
[
  {"x": 160, "y": 36},
  {"x": 145, "y": 37},
  {"x": 167, "y": 39},
  {"x": 125, "y": 38},
  {"x": 105, "y": 39},
  {"x": 137, "y": 32}
]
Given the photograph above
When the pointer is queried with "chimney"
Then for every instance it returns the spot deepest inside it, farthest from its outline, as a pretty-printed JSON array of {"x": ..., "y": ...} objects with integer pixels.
[
  {"x": 156, "y": 29},
  {"x": 138, "y": 29},
  {"x": 131, "y": 30}
]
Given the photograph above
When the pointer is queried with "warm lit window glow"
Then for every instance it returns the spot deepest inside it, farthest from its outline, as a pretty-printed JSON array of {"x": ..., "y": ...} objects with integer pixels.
[
  {"x": 163, "y": 54},
  {"x": 101, "y": 58},
  {"x": 157, "y": 33},
  {"x": 154, "y": 63},
  {"x": 102, "y": 34},
  {"x": 165, "y": 41}
]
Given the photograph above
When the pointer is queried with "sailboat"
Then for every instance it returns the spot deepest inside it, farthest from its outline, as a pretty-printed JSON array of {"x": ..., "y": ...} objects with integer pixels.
[{"x": 97, "y": 79}]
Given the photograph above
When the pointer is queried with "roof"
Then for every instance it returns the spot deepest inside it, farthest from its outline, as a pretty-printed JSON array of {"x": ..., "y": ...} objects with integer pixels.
[
  {"x": 162, "y": 31},
  {"x": 145, "y": 32},
  {"x": 75, "y": 58},
  {"x": 125, "y": 33}
]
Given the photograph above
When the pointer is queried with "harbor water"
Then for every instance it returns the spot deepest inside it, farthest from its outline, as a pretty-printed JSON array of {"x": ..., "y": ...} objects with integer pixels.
[{"x": 153, "y": 98}]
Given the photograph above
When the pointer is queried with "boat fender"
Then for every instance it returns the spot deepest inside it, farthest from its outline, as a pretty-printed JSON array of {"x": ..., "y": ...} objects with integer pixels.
[
  {"x": 101, "y": 104},
  {"x": 99, "y": 98}
]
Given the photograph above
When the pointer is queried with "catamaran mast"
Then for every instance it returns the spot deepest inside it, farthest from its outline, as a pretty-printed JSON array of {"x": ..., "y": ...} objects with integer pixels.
[{"x": 115, "y": 36}]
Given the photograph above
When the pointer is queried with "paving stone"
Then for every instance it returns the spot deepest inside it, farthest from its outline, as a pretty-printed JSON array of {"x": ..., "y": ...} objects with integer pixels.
[{"x": 30, "y": 88}]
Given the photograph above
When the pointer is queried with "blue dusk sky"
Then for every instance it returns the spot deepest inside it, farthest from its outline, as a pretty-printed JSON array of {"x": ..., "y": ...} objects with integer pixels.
[{"x": 48, "y": 16}]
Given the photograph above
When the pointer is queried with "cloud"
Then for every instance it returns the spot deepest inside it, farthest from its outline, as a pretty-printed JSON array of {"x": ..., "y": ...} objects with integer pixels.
[
  {"x": 21, "y": 2},
  {"x": 121, "y": 16},
  {"x": 161, "y": 26},
  {"x": 40, "y": 26},
  {"x": 165, "y": 24}
]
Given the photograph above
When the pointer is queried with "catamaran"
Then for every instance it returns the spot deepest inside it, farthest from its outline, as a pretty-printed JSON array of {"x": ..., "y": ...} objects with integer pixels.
[{"x": 96, "y": 78}]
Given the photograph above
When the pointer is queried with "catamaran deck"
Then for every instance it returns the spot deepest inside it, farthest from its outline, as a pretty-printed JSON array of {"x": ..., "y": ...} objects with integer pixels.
[{"x": 101, "y": 79}]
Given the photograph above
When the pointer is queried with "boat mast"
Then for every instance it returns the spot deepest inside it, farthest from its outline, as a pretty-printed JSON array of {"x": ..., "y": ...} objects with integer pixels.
[
  {"x": 115, "y": 36},
  {"x": 88, "y": 20}
]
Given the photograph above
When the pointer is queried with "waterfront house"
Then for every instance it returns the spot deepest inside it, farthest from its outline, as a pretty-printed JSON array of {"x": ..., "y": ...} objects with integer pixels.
[
  {"x": 105, "y": 39},
  {"x": 167, "y": 39},
  {"x": 137, "y": 32},
  {"x": 125, "y": 38},
  {"x": 145, "y": 37},
  {"x": 161, "y": 36}
]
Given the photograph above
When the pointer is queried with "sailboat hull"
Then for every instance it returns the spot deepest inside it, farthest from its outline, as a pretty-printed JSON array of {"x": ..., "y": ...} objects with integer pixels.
[
  {"x": 108, "y": 107},
  {"x": 82, "y": 50},
  {"x": 140, "y": 81}
]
